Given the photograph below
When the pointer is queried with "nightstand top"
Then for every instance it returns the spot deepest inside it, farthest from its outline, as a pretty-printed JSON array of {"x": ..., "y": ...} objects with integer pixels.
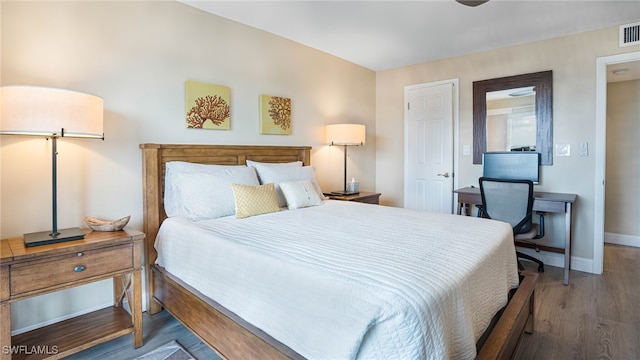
[
  {"x": 5, "y": 250},
  {"x": 93, "y": 239},
  {"x": 354, "y": 197}
]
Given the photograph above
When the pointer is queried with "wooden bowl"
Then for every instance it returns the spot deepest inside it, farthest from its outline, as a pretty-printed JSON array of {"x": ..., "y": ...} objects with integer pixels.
[{"x": 104, "y": 225}]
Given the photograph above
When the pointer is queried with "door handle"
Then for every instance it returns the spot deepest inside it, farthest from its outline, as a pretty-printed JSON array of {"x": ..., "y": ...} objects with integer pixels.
[{"x": 445, "y": 174}]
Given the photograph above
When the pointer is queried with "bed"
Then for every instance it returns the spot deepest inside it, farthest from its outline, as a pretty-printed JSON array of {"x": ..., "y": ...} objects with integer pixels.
[{"x": 232, "y": 336}]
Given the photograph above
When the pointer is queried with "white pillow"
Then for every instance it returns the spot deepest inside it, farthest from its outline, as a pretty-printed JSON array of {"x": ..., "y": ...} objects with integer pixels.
[
  {"x": 277, "y": 175},
  {"x": 300, "y": 194},
  {"x": 208, "y": 195},
  {"x": 177, "y": 167},
  {"x": 261, "y": 166},
  {"x": 256, "y": 164}
]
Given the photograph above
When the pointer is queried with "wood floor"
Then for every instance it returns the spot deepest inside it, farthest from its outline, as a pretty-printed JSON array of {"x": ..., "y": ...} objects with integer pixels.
[
  {"x": 158, "y": 330},
  {"x": 594, "y": 317}
]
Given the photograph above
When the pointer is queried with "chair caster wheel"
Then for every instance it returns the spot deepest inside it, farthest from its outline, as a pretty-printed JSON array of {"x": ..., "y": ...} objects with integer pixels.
[{"x": 540, "y": 269}]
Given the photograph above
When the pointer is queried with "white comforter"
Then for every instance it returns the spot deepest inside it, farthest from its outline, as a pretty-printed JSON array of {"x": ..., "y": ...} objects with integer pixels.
[{"x": 347, "y": 280}]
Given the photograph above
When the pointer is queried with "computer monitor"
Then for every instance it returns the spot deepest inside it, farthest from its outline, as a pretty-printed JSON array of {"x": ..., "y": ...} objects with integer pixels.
[{"x": 512, "y": 165}]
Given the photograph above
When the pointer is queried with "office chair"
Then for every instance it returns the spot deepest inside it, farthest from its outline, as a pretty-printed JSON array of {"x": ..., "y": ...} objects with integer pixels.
[{"x": 511, "y": 201}]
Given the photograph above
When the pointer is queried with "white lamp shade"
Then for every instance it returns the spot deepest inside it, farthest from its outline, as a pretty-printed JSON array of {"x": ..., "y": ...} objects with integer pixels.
[
  {"x": 345, "y": 134},
  {"x": 32, "y": 110}
]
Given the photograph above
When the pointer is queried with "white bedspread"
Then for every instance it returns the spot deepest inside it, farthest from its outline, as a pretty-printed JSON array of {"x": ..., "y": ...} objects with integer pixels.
[{"x": 348, "y": 280}]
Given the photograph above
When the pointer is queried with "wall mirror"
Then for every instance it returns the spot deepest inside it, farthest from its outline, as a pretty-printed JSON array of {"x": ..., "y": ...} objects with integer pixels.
[{"x": 514, "y": 113}]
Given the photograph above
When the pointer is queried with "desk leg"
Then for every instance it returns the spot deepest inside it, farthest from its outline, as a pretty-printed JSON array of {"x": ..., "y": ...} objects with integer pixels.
[
  {"x": 464, "y": 209},
  {"x": 567, "y": 244}
]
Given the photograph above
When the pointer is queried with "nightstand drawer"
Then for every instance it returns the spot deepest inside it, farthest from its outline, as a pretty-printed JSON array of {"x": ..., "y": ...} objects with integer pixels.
[
  {"x": 363, "y": 197},
  {"x": 374, "y": 199},
  {"x": 66, "y": 269}
]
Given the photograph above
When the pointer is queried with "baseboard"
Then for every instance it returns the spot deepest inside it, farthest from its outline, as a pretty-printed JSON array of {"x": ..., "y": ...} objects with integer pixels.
[
  {"x": 622, "y": 239},
  {"x": 557, "y": 260}
]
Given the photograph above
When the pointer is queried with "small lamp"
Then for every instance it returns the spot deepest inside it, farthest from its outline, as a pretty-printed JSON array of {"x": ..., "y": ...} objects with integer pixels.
[
  {"x": 346, "y": 135},
  {"x": 51, "y": 113}
]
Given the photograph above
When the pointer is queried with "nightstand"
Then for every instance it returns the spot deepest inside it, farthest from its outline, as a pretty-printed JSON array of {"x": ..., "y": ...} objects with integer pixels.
[
  {"x": 32, "y": 271},
  {"x": 362, "y": 196}
]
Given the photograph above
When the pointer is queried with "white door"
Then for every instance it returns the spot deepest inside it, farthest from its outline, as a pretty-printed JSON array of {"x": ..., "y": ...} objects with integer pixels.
[{"x": 428, "y": 181}]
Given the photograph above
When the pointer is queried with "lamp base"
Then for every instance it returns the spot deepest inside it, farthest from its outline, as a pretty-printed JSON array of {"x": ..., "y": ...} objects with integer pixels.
[
  {"x": 45, "y": 237},
  {"x": 342, "y": 192}
]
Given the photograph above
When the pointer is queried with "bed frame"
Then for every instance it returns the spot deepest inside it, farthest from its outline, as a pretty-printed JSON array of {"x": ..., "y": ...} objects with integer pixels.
[{"x": 229, "y": 335}]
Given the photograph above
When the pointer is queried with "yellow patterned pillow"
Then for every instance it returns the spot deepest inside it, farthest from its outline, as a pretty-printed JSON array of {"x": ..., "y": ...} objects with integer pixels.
[{"x": 255, "y": 200}]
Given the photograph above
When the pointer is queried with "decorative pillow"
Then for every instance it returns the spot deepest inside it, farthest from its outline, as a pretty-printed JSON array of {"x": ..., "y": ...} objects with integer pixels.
[
  {"x": 254, "y": 200},
  {"x": 300, "y": 194},
  {"x": 171, "y": 207},
  {"x": 208, "y": 195},
  {"x": 277, "y": 175}
]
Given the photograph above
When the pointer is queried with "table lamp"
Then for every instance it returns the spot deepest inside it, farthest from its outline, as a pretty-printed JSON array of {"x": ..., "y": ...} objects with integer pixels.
[
  {"x": 50, "y": 113},
  {"x": 346, "y": 135}
]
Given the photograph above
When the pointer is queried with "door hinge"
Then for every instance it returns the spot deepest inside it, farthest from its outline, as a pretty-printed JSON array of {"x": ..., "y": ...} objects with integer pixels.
[{"x": 408, "y": 106}]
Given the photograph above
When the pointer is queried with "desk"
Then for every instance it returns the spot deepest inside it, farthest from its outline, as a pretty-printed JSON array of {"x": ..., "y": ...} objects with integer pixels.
[{"x": 543, "y": 201}]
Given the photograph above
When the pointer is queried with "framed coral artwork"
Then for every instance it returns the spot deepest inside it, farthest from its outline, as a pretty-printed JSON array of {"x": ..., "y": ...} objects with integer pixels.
[
  {"x": 275, "y": 115},
  {"x": 207, "y": 106}
]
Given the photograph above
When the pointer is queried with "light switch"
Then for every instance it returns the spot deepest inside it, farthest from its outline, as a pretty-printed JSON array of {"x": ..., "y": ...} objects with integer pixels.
[
  {"x": 563, "y": 150},
  {"x": 466, "y": 149},
  {"x": 584, "y": 148}
]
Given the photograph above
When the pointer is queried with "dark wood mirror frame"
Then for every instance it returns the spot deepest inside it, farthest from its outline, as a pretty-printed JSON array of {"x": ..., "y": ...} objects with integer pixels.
[{"x": 543, "y": 82}]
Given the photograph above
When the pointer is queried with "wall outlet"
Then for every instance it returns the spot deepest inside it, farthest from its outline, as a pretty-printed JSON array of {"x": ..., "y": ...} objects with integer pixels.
[{"x": 563, "y": 150}]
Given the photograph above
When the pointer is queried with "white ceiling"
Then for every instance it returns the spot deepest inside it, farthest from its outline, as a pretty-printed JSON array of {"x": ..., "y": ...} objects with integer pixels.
[{"x": 382, "y": 35}]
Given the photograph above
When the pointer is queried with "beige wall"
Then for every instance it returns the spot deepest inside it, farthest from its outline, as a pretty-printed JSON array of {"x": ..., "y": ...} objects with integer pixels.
[
  {"x": 622, "y": 204},
  {"x": 137, "y": 57},
  {"x": 573, "y": 62}
]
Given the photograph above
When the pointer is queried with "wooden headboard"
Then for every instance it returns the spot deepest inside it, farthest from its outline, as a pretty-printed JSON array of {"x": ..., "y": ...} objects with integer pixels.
[{"x": 155, "y": 156}]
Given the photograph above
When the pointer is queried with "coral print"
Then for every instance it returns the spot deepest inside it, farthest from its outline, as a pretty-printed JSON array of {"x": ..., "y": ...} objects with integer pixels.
[
  {"x": 275, "y": 115},
  {"x": 207, "y": 106}
]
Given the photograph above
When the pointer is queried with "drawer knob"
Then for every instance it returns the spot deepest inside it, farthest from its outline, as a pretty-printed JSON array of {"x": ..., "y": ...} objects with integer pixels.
[
  {"x": 79, "y": 268},
  {"x": 80, "y": 254}
]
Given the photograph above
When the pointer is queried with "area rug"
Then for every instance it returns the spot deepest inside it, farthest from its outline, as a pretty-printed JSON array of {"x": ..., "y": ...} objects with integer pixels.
[{"x": 169, "y": 351}]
